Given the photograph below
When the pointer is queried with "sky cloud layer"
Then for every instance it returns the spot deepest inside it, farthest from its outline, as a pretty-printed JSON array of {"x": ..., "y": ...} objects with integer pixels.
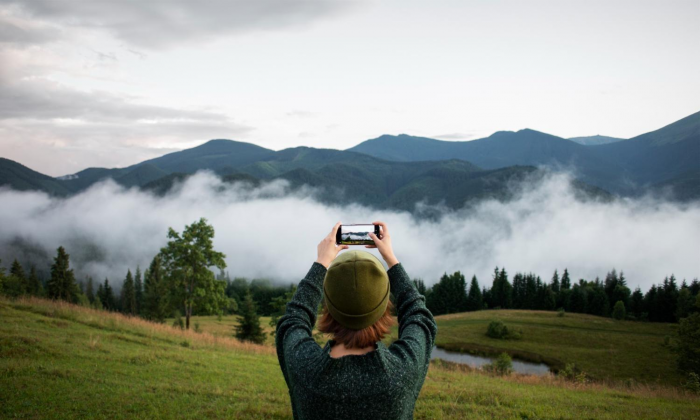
[
  {"x": 112, "y": 83},
  {"x": 108, "y": 229}
]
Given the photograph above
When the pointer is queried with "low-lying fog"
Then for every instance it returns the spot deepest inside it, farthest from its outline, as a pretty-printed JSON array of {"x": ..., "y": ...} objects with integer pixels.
[{"x": 270, "y": 232}]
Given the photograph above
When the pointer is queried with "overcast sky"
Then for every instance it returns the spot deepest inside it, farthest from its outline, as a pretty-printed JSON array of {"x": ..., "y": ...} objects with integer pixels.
[{"x": 88, "y": 83}]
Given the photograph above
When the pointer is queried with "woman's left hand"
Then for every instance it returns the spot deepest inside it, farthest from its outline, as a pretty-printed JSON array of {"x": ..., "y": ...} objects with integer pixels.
[{"x": 327, "y": 249}]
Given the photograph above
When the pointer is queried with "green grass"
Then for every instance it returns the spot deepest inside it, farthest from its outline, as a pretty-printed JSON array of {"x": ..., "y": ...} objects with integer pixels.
[
  {"x": 604, "y": 348},
  {"x": 62, "y": 361}
]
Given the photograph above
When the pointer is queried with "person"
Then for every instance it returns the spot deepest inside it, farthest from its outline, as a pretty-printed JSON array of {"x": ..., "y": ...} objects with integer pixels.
[{"x": 355, "y": 375}]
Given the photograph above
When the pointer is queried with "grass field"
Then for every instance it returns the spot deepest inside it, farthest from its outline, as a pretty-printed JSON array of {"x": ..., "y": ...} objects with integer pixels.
[
  {"x": 62, "y": 361},
  {"x": 604, "y": 348}
]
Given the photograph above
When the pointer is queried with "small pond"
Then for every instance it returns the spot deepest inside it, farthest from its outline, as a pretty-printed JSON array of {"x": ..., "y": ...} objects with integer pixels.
[{"x": 479, "y": 361}]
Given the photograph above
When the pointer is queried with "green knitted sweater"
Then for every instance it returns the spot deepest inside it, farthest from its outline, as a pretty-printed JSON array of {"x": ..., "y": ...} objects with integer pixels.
[{"x": 381, "y": 384}]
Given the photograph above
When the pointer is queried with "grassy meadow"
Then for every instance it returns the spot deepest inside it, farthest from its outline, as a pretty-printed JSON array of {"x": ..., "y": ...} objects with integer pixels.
[{"x": 62, "y": 361}]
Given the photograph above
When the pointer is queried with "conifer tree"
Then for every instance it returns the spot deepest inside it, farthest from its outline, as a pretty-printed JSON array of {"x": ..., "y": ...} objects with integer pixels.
[
  {"x": 155, "y": 295},
  {"x": 138, "y": 290},
  {"x": 475, "y": 300},
  {"x": 279, "y": 304},
  {"x": 62, "y": 283},
  {"x": 248, "y": 328},
  {"x": 128, "y": 296},
  {"x": 89, "y": 290},
  {"x": 34, "y": 286},
  {"x": 108, "y": 297},
  {"x": 17, "y": 271},
  {"x": 555, "y": 282},
  {"x": 565, "y": 280}
]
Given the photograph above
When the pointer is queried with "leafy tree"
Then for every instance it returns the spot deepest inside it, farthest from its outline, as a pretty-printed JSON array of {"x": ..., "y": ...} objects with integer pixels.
[
  {"x": 155, "y": 295},
  {"x": 138, "y": 290},
  {"x": 475, "y": 300},
  {"x": 186, "y": 260},
  {"x": 619, "y": 310},
  {"x": 248, "y": 328},
  {"x": 128, "y": 296},
  {"x": 62, "y": 283}
]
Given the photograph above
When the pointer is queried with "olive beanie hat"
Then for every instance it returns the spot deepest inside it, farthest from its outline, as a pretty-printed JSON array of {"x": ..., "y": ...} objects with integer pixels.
[{"x": 356, "y": 289}]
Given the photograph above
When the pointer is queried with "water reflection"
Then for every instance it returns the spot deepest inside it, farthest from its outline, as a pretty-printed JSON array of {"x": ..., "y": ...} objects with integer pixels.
[{"x": 479, "y": 361}]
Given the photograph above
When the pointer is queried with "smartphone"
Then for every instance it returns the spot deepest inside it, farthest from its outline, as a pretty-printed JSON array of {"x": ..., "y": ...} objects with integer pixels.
[{"x": 356, "y": 234}]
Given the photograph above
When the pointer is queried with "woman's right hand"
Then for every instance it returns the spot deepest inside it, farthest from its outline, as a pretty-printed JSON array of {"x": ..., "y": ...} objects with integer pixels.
[{"x": 383, "y": 244}]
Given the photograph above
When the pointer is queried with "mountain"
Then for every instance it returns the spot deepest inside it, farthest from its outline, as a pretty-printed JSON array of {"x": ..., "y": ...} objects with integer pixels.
[
  {"x": 21, "y": 178},
  {"x": 628, "y": 167},
  {"x": 595, "y": 140},
  {"x": 500, "y": 150},
  {"x": 660, "y": 155}
]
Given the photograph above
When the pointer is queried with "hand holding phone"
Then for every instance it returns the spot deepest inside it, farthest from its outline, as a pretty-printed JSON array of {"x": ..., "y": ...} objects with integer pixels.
[{"x": 383, "y": 243}]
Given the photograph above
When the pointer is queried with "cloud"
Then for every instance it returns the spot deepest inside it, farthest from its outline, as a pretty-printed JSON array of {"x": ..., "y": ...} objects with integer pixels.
[
  {"x": 271, "y": 232},
  {"x": 162, "y": 24},
  {"x": 454, "y": 136}
]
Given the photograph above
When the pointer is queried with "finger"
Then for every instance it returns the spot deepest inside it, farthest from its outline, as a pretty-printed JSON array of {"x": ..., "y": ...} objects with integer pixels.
[
  {"x": 345, "y": 247},
  {"x": 334, "y": 231},
  {"x": 384, "y": 229},
  {"x": 373, "y": 236}
]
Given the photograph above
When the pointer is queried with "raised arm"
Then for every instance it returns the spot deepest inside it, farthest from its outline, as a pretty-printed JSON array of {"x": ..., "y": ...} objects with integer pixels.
[
  {"x": 417, "y": 327},
  {"x": 294, "y": 333}
]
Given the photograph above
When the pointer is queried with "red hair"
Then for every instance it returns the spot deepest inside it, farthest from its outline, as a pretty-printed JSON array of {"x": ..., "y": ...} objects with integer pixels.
[{"x": 357, "y": 338}]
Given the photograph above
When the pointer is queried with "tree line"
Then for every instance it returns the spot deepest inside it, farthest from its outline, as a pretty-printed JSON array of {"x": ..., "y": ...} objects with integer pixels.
[
  {"x": 179, "y": 280},
  {"x": 611, "y": 297}
]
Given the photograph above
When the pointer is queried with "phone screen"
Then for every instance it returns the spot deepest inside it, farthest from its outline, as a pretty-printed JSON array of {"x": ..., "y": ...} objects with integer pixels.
[{"x": 356, "y": 234}]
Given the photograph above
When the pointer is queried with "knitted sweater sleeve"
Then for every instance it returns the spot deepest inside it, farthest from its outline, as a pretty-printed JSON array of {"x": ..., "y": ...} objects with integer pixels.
[
  {"x": 294, "y": 332},
  {"x": 417, "y": 327}
]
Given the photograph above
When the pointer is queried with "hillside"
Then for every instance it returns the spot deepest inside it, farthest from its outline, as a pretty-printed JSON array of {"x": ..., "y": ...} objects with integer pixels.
[
  {"x": 61, "y": 361},
  {"x": 21, "y": 178},
  {"x": 660, "y": 155}
]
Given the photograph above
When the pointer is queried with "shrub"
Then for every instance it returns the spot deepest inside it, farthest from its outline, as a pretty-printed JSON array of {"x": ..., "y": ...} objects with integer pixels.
[
  {"x": 693, "y": 383},
  {"x": 185, "y": 343},
  {"x": 503, "y": 365},
  {"x": 197, "y": 329},
  {"x": 619, "y": 311},
  {"x": 688, "y": 344},
  {"x": 561, "y": 312},
  {"x": 178, "y": 322},
  {"x": 497, "y": 329}
]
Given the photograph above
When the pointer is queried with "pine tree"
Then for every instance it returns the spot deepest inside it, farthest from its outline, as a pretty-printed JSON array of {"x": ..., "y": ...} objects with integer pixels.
[
  {"x": 17, "y": 271},
  {"x": 138, "y": 290},
  {"x": 279, "y": 304},
  {"x": 637, "y": 303},
  {"x": 34, "y": 286},
  {"x": 108, "y": 297},
  {"x": 155, "y": 295},
  {"x": 62, "y": 283},
  {"x": 565, "y": 281},
  {"x": 89, "y": 290},
  {"x": 128, "y": 296},
  {"x": 685, "y": 304},
  {"x": 555, "y": 282},
  {"x": 420, "y": 286},
  {"x": 248, "y": 328},
  {"x": 475, "y": 299}
]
